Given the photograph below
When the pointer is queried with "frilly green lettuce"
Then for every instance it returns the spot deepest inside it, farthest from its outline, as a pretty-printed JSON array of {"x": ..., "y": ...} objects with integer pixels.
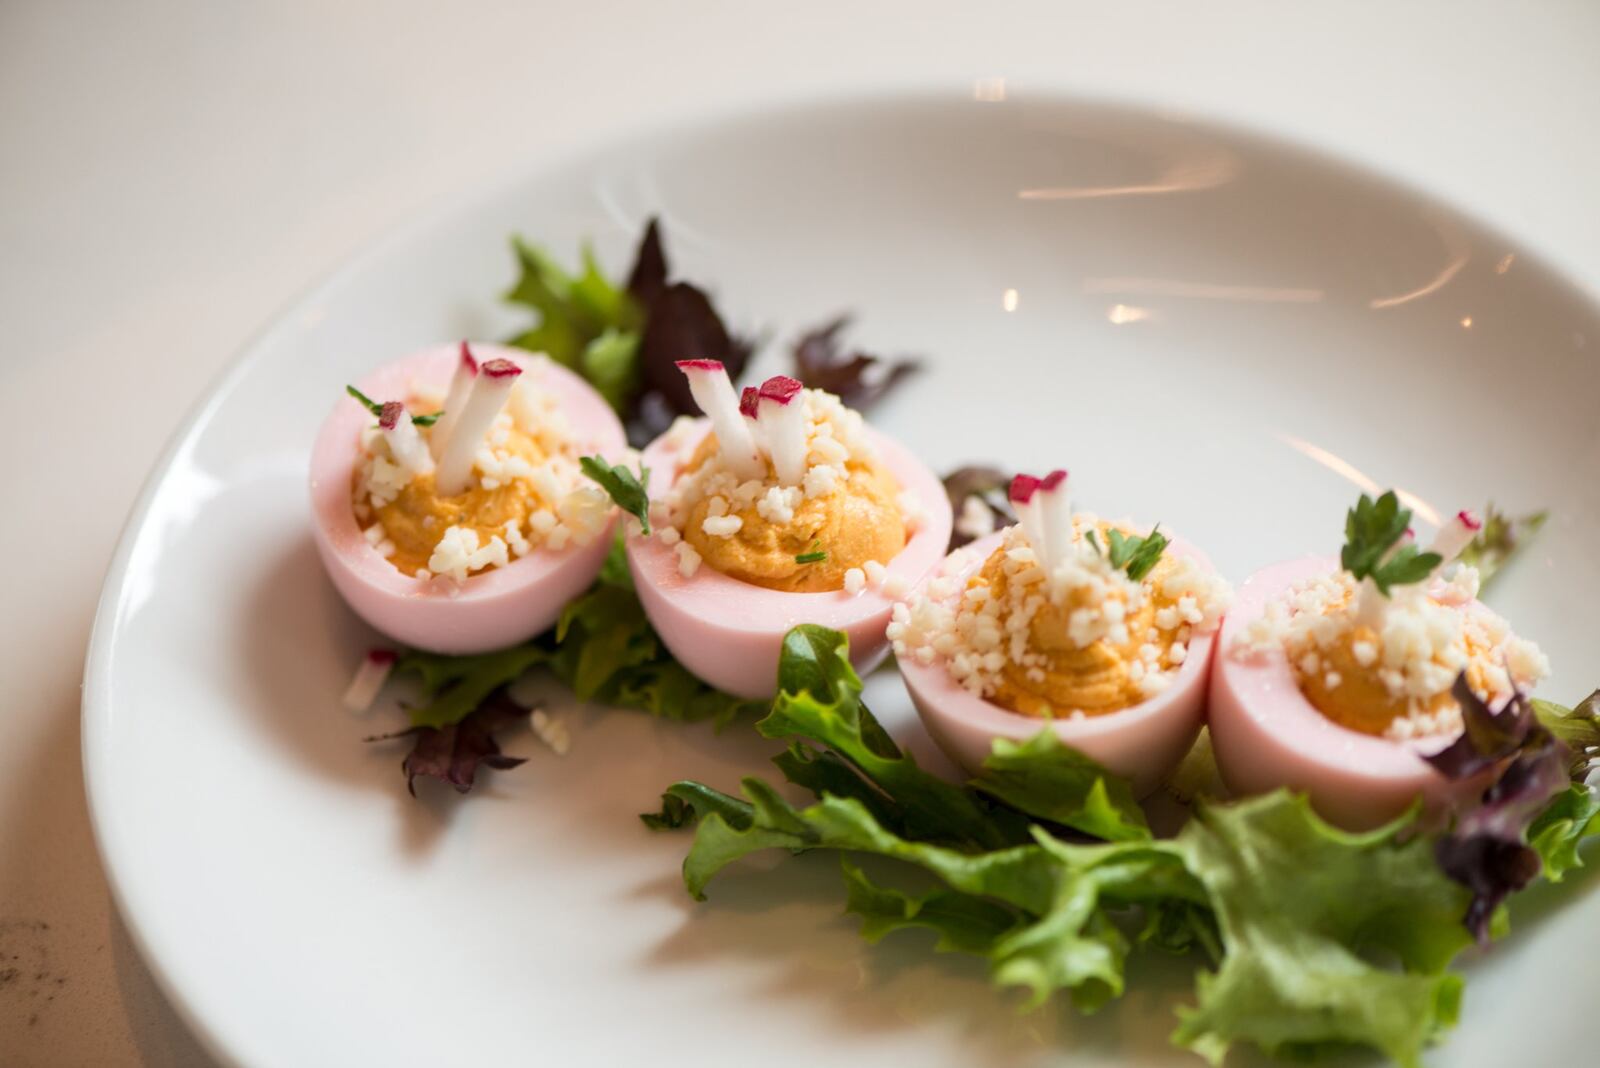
[{"x": 1305, "y": 936}]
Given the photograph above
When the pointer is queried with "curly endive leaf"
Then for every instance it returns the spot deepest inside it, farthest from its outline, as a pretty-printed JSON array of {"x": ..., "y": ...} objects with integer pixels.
[
  {"x": 964, "y": 923},
  {"x": 1050, "y": 781},
  {"x": 1555, "y": 835},
  {"x": 1302, "y": 907}
]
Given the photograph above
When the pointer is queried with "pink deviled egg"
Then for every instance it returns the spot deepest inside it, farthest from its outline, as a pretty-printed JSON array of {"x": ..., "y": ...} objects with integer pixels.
[
  {"x": 1098, "y": 630},
  {"x": 1332, "y": 684},
  {"x": 781, "y": 507},
  {"x": 447, "y": 500}
]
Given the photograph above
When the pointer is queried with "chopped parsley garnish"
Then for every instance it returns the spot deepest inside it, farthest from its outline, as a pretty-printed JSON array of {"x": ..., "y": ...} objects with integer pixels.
[
  {"x": 625, "y": 488},
  {"x": 1373, "y": 536},
  {"x": 377, "y": 409},
  {"x": 1133, "y": 554},
  {"x": 816, "y": 556},
  {"x": 1137, "y": 556}
]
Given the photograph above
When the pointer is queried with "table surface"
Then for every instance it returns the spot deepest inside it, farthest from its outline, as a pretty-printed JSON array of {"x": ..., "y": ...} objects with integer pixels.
[{"x": 173, "y": 173}]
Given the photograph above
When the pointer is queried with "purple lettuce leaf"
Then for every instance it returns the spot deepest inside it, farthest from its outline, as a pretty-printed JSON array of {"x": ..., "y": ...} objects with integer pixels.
[
  {"x": 1487, "y": 850},
  {"x": 858, "y": 378},
  {"x": 649, "y": 275},
  {"x": 680, "y": 322},
  {"x": 1487, "y": 737},
  {"x": 454, "y": 753}
]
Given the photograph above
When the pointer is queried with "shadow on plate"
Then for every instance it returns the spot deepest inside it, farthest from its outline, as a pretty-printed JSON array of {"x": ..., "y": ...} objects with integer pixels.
[
  {"x": 791, "y": 921},
  {"x": 297, "y": 645}
]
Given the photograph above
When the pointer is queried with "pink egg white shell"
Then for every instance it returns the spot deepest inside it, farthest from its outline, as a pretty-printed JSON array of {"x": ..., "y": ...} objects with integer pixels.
[
  {"x": 1266, "y": 734},
  {"x": 1142, "y": 743},
  {"x": 492, "y": 609},
  {"x": 730, "y": 633}
]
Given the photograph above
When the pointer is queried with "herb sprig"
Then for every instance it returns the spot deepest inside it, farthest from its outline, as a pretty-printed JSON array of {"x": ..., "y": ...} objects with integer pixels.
[
  {"x": 1502, "y": 535},
  {"x": 377, "y": 409},
  {"x": 815, "y": 555},
  {"x": 625, "y": 488},
  {"x": 1373, "y": 532},
  {"x": 1136, "y": 555}
]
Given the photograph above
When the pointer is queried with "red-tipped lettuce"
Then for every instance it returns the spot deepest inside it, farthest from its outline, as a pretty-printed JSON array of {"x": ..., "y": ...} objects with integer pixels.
[
  {"x": 1487, "y": 850},
  {"x": 456, "y": 752},
  {"x": 858, "y": 378},
  {"x": 625, "y": 340}
]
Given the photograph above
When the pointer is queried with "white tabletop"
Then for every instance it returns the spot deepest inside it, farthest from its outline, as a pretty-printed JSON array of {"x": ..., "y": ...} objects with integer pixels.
[{"x": 172, "y": 173}]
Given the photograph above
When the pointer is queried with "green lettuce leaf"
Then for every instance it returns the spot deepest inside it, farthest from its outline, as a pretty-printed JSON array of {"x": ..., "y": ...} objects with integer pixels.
[
  {"x": 1313, "y": 937},
  {"x": 1057, "y": 934},
  {"x": 455, "y": 686},
  {"x": 611, "y": 364},
  {"x": 1075, "y": 945},
  {"x": 824, "y": 772},
  {"x": 1019, "y": 875},
  {"x": 1303, "y": 910},
  {"x": 1556, "y": 833},
  {"x": 1578, "y": 728},
  {"x": 1196, "y": 774},
  {"x": 685, "y": 802},
  {"x": 1050, "y": 781},
  {"x": 625, "y": 340},
  {"x": 1038, "y": 908},
  {"x": 606, "y": 650},
  {"x": 819, "y": 699},
  {"x": 1040, "y": 913},
  {"x": 603, "y": 647},
  {"x": 576, "y": 313},
  {"x": 964, "y": 923}
]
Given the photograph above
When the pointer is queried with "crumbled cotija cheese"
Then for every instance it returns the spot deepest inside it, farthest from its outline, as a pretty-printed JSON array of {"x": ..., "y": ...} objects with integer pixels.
[
  {"x": 1423, "y": 641},
  {"x": 722, "y": 526},
  {"x": 978, "y": 634},
  {"x": 976, "y": 519},
  {"x": 836, "y": 438},
  {"x": 569, "y": 509},
  {"x": 459, "y": 553}
]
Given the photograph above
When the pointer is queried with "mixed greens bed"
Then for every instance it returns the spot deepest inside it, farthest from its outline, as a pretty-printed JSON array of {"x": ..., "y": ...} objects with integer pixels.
[
  {"x": 1044, "y": 865},
  {"x": 626, "y": 339},
  {"x": 1303, "y": 935}
]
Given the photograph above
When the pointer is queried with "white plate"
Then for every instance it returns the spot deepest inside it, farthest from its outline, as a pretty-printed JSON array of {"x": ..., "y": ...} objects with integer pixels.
[{"x": 1209, "y": 328}]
